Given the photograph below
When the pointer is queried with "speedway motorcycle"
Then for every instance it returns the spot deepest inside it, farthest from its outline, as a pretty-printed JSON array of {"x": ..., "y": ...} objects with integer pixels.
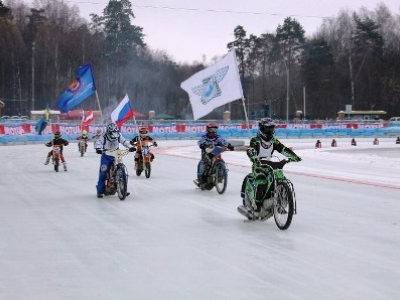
[
  {"x": 117, "y": 176},
  {"x": 56, "y": 157},
  {"x": 215, "y": 170},
  {"x": 278, "y": 202},
  {"x": 145, "y": 158},
  {"x": 82, "y": 147}
]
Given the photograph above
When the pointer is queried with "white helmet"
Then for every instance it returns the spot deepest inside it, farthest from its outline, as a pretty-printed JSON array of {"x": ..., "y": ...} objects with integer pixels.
[{"x": 112, "y": 132}]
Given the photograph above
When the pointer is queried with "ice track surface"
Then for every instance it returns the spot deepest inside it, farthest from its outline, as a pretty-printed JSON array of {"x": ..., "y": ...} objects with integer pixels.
[{"x": 169, "y": 240}]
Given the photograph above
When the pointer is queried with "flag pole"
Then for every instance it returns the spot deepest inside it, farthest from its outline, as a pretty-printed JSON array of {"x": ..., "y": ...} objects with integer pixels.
[
  {"x": 98, "y": 103},
  {"x": 139, "y": 139},
  {"x": 137, "y": 130},
  {"x": 247, "y": 118},
  {"x": 83, "y": 119}
]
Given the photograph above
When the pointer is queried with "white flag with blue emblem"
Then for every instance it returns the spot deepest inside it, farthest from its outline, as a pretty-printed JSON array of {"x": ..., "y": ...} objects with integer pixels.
[{"x": 214, "y": 86}]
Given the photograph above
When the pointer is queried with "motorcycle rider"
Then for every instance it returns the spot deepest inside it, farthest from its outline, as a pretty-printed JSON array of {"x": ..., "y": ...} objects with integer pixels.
[
  {"x": 109, "y": 141},
  {"x": 209, "y": 139},
  {"x": 84, "y": 137},
  {"x": 263, "y": 146},
  {"x": 138, "y": 140},
  {"x": 57, "y": 141},
  {"x": 96, "y": 136}
]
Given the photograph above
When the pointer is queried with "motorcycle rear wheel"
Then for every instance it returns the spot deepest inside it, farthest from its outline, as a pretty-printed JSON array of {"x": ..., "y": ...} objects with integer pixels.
[
  {"x": 283, "y": 206},
  {"x": 221, "y": 178}
]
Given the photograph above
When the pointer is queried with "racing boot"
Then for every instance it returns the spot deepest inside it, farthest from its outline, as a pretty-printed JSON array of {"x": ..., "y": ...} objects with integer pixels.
[
  {"x": 65, "y": 166},
  {"x": 47, "y": 160}
]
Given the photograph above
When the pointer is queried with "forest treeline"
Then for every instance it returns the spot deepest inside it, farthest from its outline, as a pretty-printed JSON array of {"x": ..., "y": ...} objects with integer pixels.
[{"x": 353, "y": 58}]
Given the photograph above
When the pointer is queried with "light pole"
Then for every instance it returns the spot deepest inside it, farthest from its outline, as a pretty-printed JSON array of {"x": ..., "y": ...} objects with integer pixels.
[
  {"x": 33, "y": 76},
  {"x": 287, "y": 66},
  {"x": 304, "y": 103}
]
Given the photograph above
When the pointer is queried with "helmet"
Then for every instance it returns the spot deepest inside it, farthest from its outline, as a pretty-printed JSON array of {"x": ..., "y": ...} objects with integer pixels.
[
  {"x": 212, "y": 129},
  {"x": 98, "y": 131},
  {"x": 143, "y": 131},
  {"x": 266, "y": 129},
  {"x": 112, "y": 132},
  {"x": 57, "y": 135},
  {"x": 84, "y": 133}
]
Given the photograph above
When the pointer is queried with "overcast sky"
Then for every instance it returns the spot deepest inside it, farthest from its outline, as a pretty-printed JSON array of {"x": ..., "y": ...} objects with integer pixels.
[{"x": 187, "y": 30}]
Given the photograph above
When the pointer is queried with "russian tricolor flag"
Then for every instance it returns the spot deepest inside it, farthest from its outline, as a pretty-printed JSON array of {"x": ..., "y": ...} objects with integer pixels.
[{"x": 123, "y": 112}]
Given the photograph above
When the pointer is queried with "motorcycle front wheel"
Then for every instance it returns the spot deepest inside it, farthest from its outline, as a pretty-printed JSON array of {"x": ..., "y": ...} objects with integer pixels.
[
  {"x": 56, "y": 164},
  {"x": 121, "y": 180},
  {"x": 283, "y": 205},
  {"x": 221, "y": 177},
  {"x": 147, "y": 170},
  {"x": 139, "y": 167}
]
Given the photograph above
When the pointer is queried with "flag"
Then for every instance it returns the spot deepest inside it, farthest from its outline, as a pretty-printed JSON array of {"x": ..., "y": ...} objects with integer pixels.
[
  {"x": 214, "y": 86},
  {"x": 44, "y": 120},
  {"x": 79, "y": 90},
  {"x": 47, "y": 113},
  {"x": 89, "y": 119},
  {"x": 123, "y": 112}
]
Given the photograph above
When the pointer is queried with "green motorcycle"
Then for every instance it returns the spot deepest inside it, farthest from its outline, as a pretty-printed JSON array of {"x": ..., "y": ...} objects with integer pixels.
[{"x": 272, "y": 195}]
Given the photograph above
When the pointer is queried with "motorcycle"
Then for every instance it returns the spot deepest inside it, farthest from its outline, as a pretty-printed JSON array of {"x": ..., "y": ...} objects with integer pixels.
[
  {"x": 215, "y": 170},
  {"x": 145, "y": 158},
  {"x": 117, "y": 176},
  {"x": 82, "y": 147},
  {"x": 279, "y": 201},
  {"x": 56, "y": 157}
]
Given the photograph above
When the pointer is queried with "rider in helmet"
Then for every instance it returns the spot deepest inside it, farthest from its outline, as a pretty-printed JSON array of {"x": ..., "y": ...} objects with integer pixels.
[
  {"x": 263, "y": 146},
  {"x": 57, "y": 140},
  {"x": 84, "y": 137},
  {"x": 96, "y": 136},
  {"x": 98, "y": 133},
  {"x": 143, "y": 137},
  {"x": 209, "y": 139},
  {"x": 109, "y": 141}
]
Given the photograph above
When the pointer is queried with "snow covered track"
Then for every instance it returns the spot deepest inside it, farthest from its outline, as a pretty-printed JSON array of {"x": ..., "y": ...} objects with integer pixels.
[{"x": 169, "y": 240}]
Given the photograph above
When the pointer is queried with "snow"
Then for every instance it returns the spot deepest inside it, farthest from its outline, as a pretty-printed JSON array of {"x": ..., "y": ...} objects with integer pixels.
[{"x": 169, "y": 240}]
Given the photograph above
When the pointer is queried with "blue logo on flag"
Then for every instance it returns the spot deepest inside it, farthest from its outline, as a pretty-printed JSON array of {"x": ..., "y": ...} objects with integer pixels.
[{"x": 210, "y": 88}]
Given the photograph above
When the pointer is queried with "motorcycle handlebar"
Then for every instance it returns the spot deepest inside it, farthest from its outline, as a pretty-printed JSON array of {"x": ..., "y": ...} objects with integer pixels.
[{"x": 275, "y": 164}]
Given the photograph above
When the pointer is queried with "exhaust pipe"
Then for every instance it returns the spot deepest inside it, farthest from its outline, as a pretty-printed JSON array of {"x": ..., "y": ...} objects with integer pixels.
[{"x": 246, "y": 212}]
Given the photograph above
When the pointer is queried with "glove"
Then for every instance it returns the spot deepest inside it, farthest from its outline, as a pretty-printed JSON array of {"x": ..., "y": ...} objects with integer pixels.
[
  {"x": 99, "y": 151},
  {"x": 230, "y": 147},
  {"x": 132, "y": 149},
  {"x": 155, "y": 144},
  {"x": 210, "y": 155},
  {"x": 295, "y": 159},
  {"x": 255, "y": 160}
]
